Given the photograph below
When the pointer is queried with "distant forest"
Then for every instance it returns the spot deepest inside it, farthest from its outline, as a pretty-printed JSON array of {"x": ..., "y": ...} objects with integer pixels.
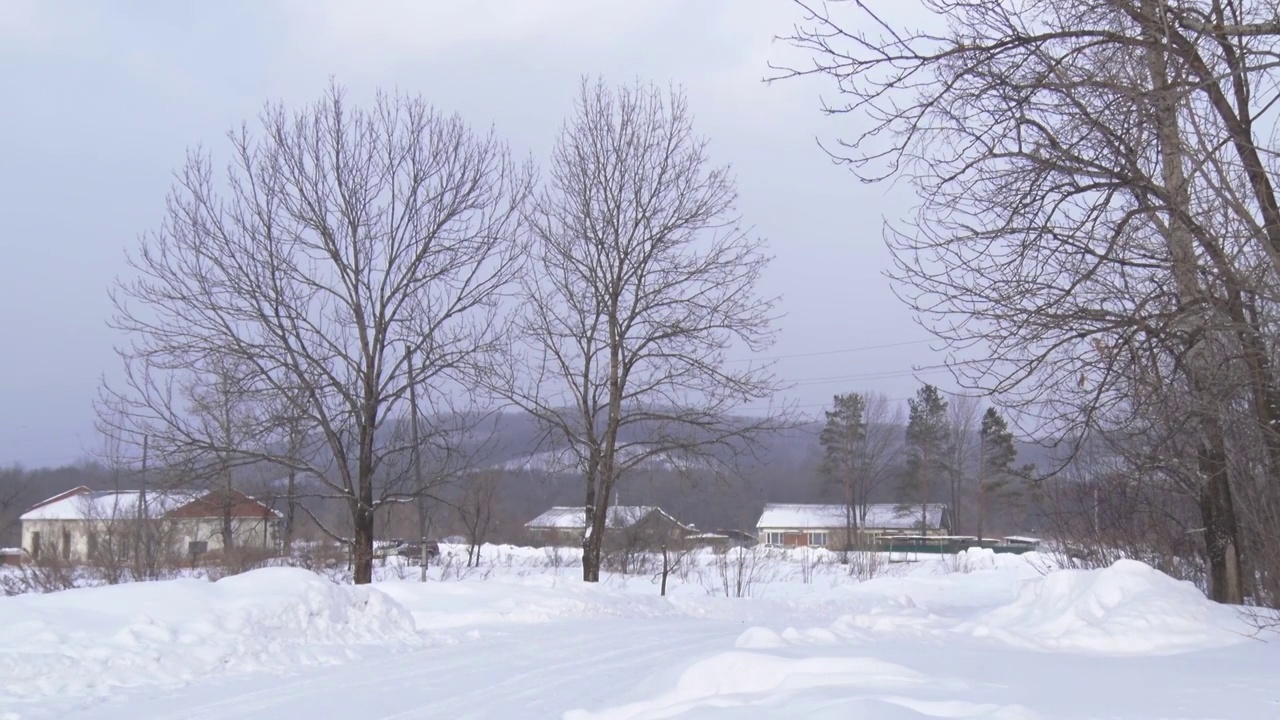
[{"x": 785, "y": 469}]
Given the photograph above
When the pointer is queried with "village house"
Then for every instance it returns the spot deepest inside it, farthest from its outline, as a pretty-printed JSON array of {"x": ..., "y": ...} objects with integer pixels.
[
  {"x": 791, "y": 525},
  {"x": 77, "y": 525},
  {"x": 721, "y": 539},
  {"x": 632, "y": 526}
]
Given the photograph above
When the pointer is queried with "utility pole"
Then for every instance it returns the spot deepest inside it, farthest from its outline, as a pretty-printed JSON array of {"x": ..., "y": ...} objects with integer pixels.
[
  {"x": 144, "y": 515},
  {"x": 417, "y": 464}
]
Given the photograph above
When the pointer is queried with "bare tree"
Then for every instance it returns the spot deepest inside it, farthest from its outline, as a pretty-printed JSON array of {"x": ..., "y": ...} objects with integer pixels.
[
  {"x": 340, "y": 242},
  {"x": 642, "y": 279},
  {"x": 880, "y": 453},
  {"x": 475, "y": 509},
  {"x": 962, "y": 453},
  {"x": 1095, "y": 211},
  {"x": 221, "y": 411},
  {"x": 13, "y": 483}
]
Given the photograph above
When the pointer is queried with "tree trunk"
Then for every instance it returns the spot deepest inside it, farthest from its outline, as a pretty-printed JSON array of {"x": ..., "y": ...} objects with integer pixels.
[
  {"x": 924, "y": 490},
  {"x": 290, "y": 506},
  {"x": 362, "y": 555},
  {"x": 591, "y": 552},
  {"x": 591, "y": 538},
  {"x": 982, "y": 490},
  {"x": 1221, "y": 534},
  {"x": 666, "y": 568}
]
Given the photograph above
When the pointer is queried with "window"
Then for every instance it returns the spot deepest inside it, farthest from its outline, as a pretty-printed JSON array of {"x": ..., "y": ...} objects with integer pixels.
[
  {"x": 196, "y": 547},
  {"x": 66, "y": 544},
  {"x": 91, "y": 544},
  {"x": 35, "y": 546},
  {"x": 818, "y": 539},
  {"x": 773, "y": 538}
]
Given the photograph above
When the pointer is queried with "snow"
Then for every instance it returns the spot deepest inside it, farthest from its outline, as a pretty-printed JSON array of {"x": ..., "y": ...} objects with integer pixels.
[
  {"x": 575, "y": 518},
  {"x": 977, "y": 635},
  {"x": 87, "y": 642},
  {"x": 787, "y": 516},
  {"x": 108, "y": 504},
  {"x": 566, "y": 461},
  {"x": 1126, "y": 609}
]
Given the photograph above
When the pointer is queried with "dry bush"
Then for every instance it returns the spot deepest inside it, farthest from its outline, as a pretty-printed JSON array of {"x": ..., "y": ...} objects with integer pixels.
[
  {"x": 866, "y": 564},
  {"x": 739, "y": 572},
  {"x": 49, "y": 574}
]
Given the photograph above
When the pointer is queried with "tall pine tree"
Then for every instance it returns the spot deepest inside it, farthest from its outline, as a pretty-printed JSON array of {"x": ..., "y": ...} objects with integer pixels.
[
  {"x": 842, "y": 438},
  {"x": 927, "y": 445},
  {"x": 996, "y": 473}
]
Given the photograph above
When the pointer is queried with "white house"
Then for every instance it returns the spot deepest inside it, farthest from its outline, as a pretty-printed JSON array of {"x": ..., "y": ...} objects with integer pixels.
[
  {"x": 636, "y": 523},
  {"x": 80, "y": 523},
  {"x": 791, "y": 524}
]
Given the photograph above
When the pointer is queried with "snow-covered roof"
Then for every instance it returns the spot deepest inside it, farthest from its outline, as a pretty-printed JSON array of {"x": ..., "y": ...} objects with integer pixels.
[
  {"x": 575, "y": 518},
  {"x": 85, "y": 504},
  {"x": 565, "y": 461},
  {"x": 794, "y": 516},
  {"x": 1022, "y": 539}
]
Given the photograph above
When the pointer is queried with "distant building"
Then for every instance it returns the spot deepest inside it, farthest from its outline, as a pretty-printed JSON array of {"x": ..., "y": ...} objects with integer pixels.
[
  {"x": 631, "y": 525},
  {"x": 827, "y": 525},
  {"x": 721, "y": 539},
  {"x": 77, "y": 525}
]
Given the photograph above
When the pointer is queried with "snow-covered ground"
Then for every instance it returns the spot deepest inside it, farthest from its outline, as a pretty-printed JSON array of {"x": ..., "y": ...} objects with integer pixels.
[{"x": 974, "y": 636}]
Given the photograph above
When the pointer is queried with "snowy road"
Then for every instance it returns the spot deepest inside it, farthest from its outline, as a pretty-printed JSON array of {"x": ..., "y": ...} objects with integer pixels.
[
  {"x": 527, "y": 672},
  {"x": 545, "y": 671}
]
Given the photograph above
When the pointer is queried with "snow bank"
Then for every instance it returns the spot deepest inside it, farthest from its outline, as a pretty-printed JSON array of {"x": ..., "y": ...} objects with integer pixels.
[
  {"x": 84, "y": 642},
  {"x": 1128, "y": 608},
  {"x": 533, "y": 599},
  {"x": 748, "y": 680}
]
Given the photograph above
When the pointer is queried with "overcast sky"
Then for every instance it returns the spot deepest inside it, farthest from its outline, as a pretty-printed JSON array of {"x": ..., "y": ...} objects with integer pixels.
[{"x": 100, "y": 100}]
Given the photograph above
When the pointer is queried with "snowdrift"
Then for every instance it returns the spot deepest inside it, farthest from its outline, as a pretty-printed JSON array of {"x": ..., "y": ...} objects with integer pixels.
[
  {"x": 1128, "y": 608},
  {"x": 84, "y": 642},
  {"x": 1008, "y": 614},
  {"x": 749, "y": 686},
  {"x": 536, "y": 599}
]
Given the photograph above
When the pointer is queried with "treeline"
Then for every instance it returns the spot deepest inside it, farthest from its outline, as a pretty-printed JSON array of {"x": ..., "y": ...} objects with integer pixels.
[{"x": 787, "y": 467}]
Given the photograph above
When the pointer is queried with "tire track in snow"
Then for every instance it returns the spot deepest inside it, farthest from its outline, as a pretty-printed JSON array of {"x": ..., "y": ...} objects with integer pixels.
[{"x": 521, "y": 672}]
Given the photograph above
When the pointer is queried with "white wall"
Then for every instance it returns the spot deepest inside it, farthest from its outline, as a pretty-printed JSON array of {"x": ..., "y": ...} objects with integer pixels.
[{"x": 247, "y": 532}]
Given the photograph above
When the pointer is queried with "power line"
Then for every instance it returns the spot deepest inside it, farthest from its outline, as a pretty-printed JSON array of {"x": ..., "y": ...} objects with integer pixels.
[
  {"x": 886, "y": 374},
  {"x": 841, "y": 351}
]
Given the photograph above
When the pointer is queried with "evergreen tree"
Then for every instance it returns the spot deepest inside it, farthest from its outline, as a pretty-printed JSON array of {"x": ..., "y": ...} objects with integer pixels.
[
  {"x": 842, "y": 439},
  {"x": 996, "y": 472},
  {"x": 927, "y": 445}
]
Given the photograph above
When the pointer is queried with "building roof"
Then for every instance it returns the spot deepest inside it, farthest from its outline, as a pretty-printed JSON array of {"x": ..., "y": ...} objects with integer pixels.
[
  {"x": 85, "y": 504},
  {"x": 794, "y": 516},
  {"x": 575, "y": 518}
]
